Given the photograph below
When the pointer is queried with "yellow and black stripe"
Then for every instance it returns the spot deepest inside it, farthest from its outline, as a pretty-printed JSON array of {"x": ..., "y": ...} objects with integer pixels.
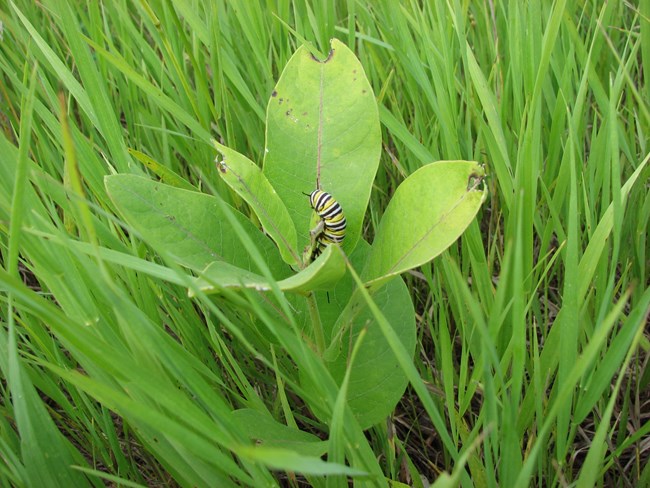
[{"x": 334, "y": 223}]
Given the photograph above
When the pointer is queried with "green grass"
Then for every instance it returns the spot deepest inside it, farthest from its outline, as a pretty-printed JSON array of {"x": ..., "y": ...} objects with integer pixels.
[{"x": 532, "y": 361}]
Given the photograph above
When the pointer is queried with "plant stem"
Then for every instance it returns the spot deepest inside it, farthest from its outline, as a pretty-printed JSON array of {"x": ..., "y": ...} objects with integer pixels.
[{"x": 317, "y": 326}]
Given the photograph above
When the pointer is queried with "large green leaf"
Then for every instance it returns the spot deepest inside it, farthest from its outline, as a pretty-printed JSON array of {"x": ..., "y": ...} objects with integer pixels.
[
  {"x": 428, "y": 212},
  {"x": 323, "y": 130},
  {"x": 190, "y": 227},
  {"x": 247, "y": 179},
  {"x": 376, "y": 381}
]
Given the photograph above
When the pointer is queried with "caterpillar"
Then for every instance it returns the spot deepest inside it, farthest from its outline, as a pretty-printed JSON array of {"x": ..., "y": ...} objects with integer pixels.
[{"x": 332, "y": 220}]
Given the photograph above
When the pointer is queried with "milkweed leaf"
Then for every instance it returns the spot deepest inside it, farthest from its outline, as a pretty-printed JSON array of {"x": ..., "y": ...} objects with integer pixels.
[
  {"x": 323, "y": 132},
  {"x": 188, "y": 226},
  {"x": 247, "y": 179},
  {"x": 428, "y": 212},
  {"x": 322, "y": 274}
]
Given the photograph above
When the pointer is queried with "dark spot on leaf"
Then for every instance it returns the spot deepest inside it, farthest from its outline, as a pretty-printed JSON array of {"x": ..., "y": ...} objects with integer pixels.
[
  {"x": 473, "y": 182},
  {"x": 304, "y": 114},
  {"x": 222, "y": 166},
  {"x": 364, "y": 91},
  {"x": 280, "y": 101},
  {"x": 289, "y": 112},
  {"x": 274, "y": 94},
  {"x": 354, "y": 71}
]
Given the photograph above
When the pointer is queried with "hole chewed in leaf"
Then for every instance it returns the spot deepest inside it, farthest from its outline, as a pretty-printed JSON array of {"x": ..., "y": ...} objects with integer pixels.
[
  {"x": 474, "y": 181},
  {"x": 330, "y": 55}
]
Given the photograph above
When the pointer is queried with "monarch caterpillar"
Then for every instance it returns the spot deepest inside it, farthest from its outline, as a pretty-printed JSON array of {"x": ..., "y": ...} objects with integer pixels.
[{"x": 333, "y": 221}]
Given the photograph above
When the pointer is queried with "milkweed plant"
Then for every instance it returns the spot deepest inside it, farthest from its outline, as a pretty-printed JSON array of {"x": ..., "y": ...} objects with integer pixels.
[{"x": 293, "y": 252}]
